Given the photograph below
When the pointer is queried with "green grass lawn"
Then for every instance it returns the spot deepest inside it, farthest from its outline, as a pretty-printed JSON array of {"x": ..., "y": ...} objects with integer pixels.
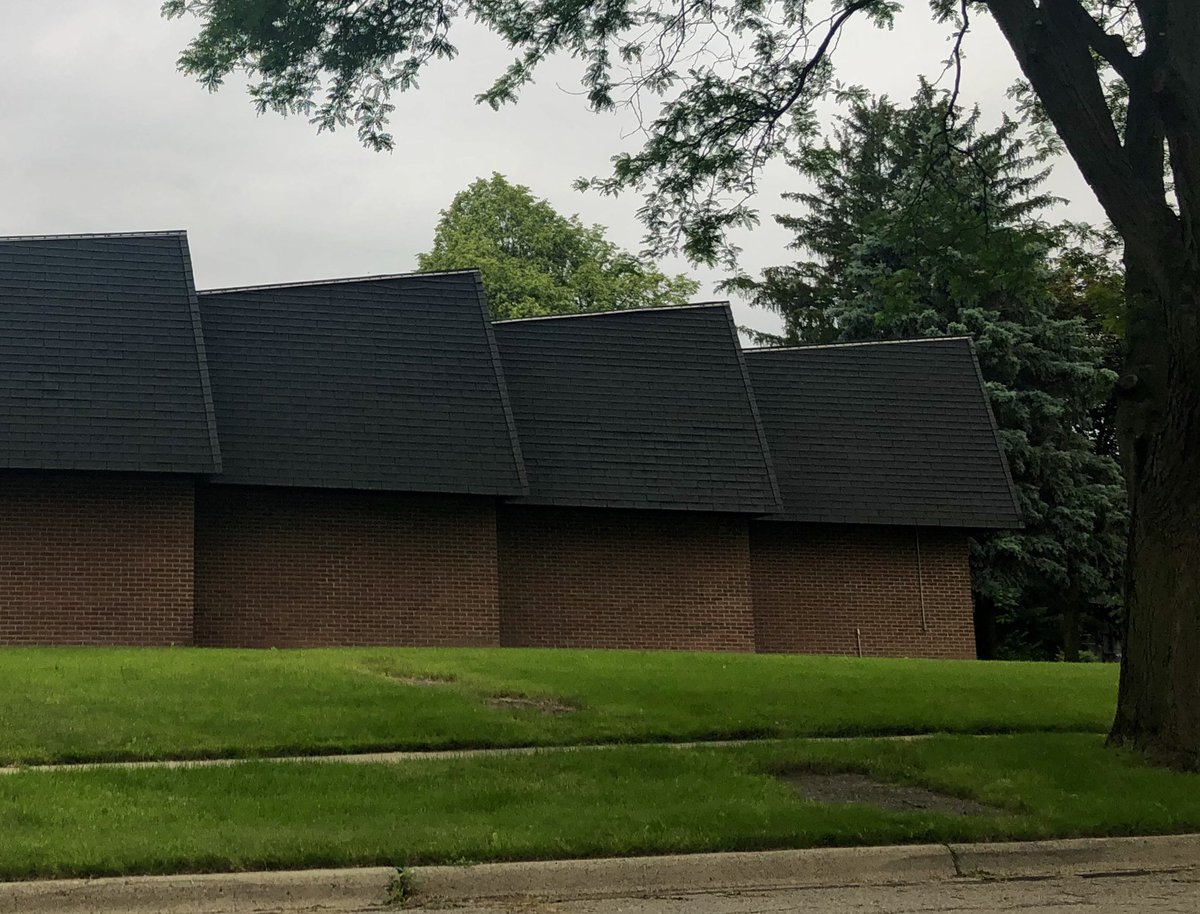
[
  {"x": 625, "y": 800},
  {"x": 64, "y": 704}
]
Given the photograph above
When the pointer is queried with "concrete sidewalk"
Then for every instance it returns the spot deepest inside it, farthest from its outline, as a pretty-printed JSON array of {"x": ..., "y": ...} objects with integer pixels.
[
  {"x": 401, "y": 756},
  {"x": 375, "y": 758},
  {"x": 582, "y": 881}
]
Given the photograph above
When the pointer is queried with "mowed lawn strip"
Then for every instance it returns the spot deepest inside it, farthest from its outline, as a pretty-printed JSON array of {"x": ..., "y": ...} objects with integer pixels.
[
  {"x": 618, "y": 801},
  {"x": 98, "y": 704}
]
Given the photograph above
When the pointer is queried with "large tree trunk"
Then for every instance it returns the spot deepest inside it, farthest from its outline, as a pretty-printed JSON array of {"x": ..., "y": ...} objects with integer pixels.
[
  {"x": 1056, "y": 42},
  {"x": 1158, "y": 707}
]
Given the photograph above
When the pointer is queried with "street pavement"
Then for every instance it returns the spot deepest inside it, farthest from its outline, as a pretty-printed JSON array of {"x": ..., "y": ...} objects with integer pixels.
[
  {"x": 1156, "y": 893},
  {"x": 1157, "y": 875}
]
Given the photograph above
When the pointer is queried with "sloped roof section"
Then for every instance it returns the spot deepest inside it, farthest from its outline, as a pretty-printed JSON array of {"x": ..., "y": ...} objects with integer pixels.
[
  {"x": 389, "y": 383},
  {"x": 102, "y": 356},
  {"x": 883, "y": 433},
  {"x": 637, "y": 409}
]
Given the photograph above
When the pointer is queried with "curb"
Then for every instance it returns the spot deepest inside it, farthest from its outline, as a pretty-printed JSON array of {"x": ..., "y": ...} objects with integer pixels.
[
  {"x": 681, "y": 875},
  {"x": 218, "y": 893},
  {"x": 1080, "y": 856},
  {"x": 800, "y": 869},
  {"x": 347, "y": 890}
]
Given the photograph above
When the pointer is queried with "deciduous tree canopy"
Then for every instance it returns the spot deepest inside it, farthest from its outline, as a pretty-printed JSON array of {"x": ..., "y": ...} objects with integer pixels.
[{"x": 535, "y": 261}]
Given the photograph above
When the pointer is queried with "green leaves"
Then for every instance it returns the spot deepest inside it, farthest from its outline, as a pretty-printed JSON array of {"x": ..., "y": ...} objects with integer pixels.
[
  {"x": 920, "y": 223},
  {"x": 534, "y": 261},
  {"x": 336, "y": 63},
  {"x": 726, "y": 86}
]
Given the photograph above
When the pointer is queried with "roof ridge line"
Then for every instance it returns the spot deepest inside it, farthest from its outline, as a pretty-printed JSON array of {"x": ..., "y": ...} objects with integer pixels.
[
  {"x": 896, "y": 342},
  {"x": 510, "y": 419},
  {"x": 556, "y": 317},
  {"x": 210, "y": 407},
  {"x": 752, "y": 400},
  {"x": 341, "y": 280},
  {"x": 991, "y": 414},
  {"x": 80, "y": 236}
]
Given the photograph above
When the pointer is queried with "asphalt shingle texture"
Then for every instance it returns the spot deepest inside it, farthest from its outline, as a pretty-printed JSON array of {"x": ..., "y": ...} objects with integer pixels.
[
  {"x": 389, "y": 383},
  {"x": 101, "y": 356},
  {"x": 637, "y": 409},
  {"x": 396, "y": 383},
  {"x": 892, "y": 433}
]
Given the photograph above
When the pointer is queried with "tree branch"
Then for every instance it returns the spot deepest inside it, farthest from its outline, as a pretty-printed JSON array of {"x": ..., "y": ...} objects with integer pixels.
[
  {"x": 1145, "y": 139},
  {"x": 821, "y": 53},
  {"x": 1173, "y": 43},
  {"x": 1111, "y": 47},
  {"x": 956, "y": 55},
  {"x": 1055, "y": 56}
]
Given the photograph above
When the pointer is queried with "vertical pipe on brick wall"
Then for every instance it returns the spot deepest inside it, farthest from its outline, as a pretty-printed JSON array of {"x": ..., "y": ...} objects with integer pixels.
[
  {"x": 858, "y": 640},
  {"x": 921, "y": 579}
]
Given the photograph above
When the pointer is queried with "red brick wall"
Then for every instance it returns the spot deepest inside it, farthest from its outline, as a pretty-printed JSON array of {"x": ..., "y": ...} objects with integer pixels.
[
  {"x": 108, "y": 559},
  {"x": 303, "y": 567},
  {"x": 581, "y": 577},
  {"x": 815, "y": 584},
  {"x": 91, "y": 558}
]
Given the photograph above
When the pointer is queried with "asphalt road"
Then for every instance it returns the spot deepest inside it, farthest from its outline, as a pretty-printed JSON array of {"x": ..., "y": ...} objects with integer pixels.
[{"x": 1177, "y": 893}]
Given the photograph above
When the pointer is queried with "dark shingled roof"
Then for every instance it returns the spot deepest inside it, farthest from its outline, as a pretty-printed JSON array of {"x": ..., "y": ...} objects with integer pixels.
[
  {"x": 395, "y": 383},
  {"x": 637, "y": 409},
  {"x": 883, "y": 433},
  {"x": 101, "y": 356},
  {"x": 378, "y": 383}
]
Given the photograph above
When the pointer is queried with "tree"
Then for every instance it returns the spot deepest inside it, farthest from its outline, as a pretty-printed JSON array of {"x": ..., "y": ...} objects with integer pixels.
[
  {"x": 1088, "y": 282},
  {"x": 913, "y": 232},
  {"x": 535, "y": 261},
  {"x": 1119, "y": 81}
]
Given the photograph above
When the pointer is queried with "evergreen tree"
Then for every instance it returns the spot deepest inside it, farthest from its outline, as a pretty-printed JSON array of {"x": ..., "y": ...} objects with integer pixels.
[
  {"x": 1088, "y": 281},
  {"x": 535, "y": 261},
  {"x": 919, "y": 223}
]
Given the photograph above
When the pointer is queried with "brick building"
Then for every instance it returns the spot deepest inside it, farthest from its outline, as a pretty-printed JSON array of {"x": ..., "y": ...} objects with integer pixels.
[{"x": 373, "y": 461}]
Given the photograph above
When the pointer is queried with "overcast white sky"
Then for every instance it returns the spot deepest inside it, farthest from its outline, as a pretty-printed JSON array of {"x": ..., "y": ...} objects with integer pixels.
[{"x": 99, "y": 133}]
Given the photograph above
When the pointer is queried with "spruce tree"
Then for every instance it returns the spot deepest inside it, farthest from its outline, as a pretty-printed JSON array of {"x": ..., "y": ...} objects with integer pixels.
[{"x": 920, "y": 223}]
